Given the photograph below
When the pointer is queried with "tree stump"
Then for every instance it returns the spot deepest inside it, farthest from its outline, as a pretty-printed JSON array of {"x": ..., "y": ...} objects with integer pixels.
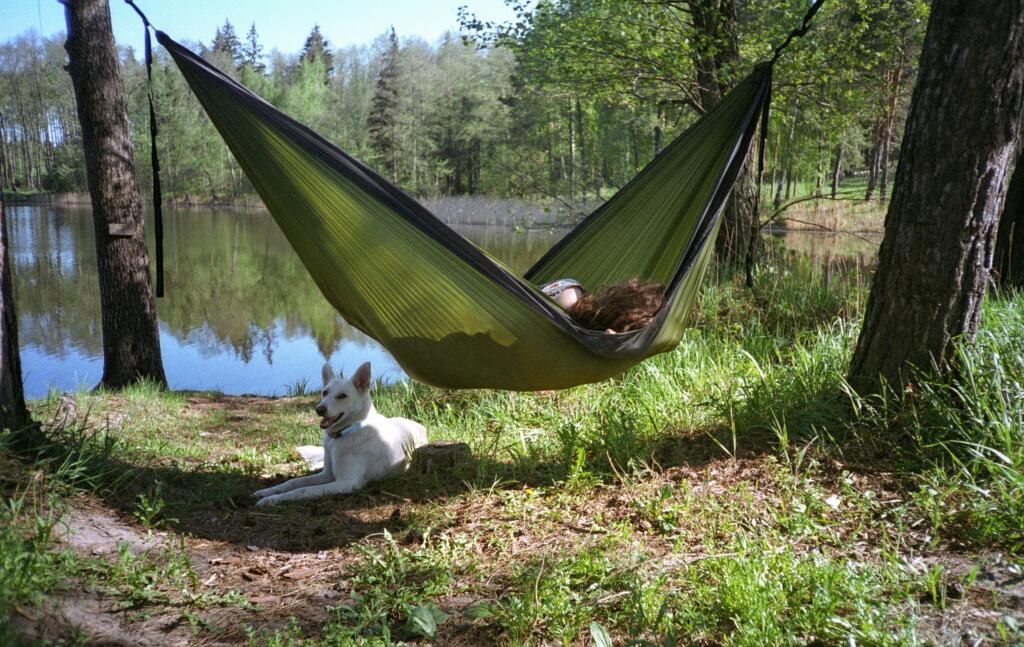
[{"x": 440, "y": 456}]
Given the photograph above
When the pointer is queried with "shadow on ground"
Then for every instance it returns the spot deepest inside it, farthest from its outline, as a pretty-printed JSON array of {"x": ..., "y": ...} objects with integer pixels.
[{"x": 217, "y": 504}]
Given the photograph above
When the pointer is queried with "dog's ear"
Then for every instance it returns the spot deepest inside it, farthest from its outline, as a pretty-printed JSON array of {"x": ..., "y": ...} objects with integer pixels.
[
  {"x": 327, "y": 373},
  {"x": 361, "y": 378}
]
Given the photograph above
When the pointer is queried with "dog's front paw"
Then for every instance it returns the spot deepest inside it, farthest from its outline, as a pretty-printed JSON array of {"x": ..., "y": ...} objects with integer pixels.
[
  {"x": 268, "y": 500},
  {"x": 265, "y": 492}
]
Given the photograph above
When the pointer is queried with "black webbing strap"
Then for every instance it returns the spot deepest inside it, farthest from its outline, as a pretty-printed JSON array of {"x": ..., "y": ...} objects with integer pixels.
[
  {"x": 752, "y": 243},
  {"x": 799, "y": 31},
  {"x": 761, "y": 144},
  {"x": 158, "y": 216}
]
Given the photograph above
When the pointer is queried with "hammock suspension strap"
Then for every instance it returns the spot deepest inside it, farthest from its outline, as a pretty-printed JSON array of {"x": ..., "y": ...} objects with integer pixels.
[{"x": 158, "y": 217}]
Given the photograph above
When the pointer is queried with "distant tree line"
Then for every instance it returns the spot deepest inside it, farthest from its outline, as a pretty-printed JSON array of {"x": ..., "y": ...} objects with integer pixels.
[{"x": 566, "y": 102}]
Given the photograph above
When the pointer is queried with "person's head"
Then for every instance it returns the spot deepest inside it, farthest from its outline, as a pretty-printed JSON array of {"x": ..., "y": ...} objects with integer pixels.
[
  {"x": 569, "y": 297},
  {"x": 564, "y": 292},
  {"x": 626, "y": 306}
]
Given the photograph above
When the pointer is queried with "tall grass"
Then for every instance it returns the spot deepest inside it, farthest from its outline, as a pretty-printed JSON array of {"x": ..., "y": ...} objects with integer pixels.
[
  {"x": 769, "y": 366},
  {"x": 760, "y": 373}
]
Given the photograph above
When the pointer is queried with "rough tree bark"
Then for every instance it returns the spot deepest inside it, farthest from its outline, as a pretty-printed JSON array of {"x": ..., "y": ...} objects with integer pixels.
[
  {"x": 964, "y": 122},
  {"x": 131, "y": 343},
  {"x": 1009, "y": 257},
  {"x": 13, "y": 414},
  {"x": 715, "y": 57}
]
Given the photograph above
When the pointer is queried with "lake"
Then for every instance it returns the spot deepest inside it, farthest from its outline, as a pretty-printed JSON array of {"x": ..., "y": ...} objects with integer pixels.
[{"x": 240, "y": 315}]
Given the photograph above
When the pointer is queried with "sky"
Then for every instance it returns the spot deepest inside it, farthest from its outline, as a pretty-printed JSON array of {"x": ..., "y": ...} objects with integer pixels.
[{"x": 283, "y": 24}]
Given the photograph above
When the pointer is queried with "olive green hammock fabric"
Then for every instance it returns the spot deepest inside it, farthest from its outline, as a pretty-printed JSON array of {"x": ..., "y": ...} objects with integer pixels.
[{"x": 451, "y": 315}]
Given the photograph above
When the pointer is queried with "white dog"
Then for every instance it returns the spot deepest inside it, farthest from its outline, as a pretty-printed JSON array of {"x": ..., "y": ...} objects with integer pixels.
[{"x": 360, "y": 445}]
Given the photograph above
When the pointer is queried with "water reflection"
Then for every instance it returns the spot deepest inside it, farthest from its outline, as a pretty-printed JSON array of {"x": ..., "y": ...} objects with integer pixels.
[{"x": 241, "y": 314}]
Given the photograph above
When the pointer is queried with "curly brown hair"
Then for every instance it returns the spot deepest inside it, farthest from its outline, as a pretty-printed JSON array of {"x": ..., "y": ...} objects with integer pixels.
[{"x": 626, "y": 306}]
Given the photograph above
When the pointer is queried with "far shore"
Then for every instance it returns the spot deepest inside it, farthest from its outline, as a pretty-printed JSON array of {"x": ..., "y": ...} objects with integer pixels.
[{"x": 474, "y": 210}]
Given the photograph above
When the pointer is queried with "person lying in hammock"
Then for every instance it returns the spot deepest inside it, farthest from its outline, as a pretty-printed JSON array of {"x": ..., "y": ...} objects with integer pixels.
[{"x": 623, "y": 307}]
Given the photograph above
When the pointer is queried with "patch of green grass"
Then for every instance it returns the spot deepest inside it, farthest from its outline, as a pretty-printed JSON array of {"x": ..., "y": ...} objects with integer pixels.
[
  {"x": 556, "y": 598},
  {"x": 30, "y": 565},
  {"x": 394, "y": 588},
  {"x": 750, "y": 479},
  {"x": 768, "y": 594},
  {"x": 754, "y": 594}
]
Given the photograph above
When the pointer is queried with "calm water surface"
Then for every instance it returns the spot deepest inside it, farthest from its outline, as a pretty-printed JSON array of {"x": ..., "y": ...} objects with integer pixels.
[{"x": 240, "y": 315}]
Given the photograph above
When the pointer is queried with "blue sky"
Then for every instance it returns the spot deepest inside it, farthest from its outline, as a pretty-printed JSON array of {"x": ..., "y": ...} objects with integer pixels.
[{"x": 282, "y": 24}]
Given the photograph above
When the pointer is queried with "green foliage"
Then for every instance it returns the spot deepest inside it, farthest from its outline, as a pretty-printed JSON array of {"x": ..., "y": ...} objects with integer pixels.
[
  {"x": 151, "y": 577},
  {"x": 318, "y": 48},
  {"x": 566, "y": 102},
  {"x": 393, "y": 590},
  {"x": 29, "y": 564}
]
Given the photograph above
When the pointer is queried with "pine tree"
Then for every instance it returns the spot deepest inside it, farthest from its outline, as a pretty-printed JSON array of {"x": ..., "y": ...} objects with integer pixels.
[
  {"x": 384, "y": 109},
  {"x": 318, "y": 48},
  {"x": 226, "y": 42},
  {"x": 131, "y": 339},
  {"x": 252, "y": 51},
  {"x": 935, "y": 259}
]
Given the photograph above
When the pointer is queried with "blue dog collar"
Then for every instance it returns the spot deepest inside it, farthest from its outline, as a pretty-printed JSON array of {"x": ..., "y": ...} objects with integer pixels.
[{"x": 347, "y": 431}]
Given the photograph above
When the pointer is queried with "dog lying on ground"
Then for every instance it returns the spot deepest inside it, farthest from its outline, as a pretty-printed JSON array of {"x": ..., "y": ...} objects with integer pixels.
[{"x": 360, "y": 445}]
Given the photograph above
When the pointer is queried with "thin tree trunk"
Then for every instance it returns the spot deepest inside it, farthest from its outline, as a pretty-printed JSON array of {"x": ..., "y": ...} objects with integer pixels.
[
  {"x": 786, "y": 155},
  {"x": 657, "y": 132},
  {"x": 940, "y": 229},
  {"x": 552, "y": 179},
  {"x": 580, "y": 153},
  {"x": 5, "y": 166},
  {"x": 26, "y": 143},
  {"x": 635, "y": 139},
  {"x": 837, "y": 166},
  {"x": 819, "y": 174},
  {"x": 13, "y": 414},
  {"x": 231, "y": 170},
  {"x": 895, "y": 78},
  {"x": 131, "y": 342},
  {"x": 876, "y": 156},
  {"x": 883, "y": 167},
  {"x": 572, "y": 161}
]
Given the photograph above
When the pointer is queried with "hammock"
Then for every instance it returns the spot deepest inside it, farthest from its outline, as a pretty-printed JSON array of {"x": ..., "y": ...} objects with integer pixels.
[{"x": 451, "y": 315}]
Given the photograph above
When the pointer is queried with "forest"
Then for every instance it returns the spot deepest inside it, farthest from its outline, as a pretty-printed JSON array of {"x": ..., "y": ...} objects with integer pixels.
[{"x": 563, "y": 105}]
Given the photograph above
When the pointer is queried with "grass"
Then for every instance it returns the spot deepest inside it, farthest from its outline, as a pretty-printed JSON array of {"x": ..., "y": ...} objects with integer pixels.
[{"x": 734, "y": 491}]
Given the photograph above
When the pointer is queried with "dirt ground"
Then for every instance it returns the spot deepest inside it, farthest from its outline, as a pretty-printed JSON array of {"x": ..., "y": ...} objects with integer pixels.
[{"x": 291, "y": 564}]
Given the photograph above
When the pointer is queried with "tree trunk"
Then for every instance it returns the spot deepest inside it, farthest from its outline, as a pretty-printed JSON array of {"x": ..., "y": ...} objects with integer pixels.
[
  {"x": 950, "y": 183},
  {"x": 658, "y": 134},
  {"x": 13, "y": 414},
  {"x": 714, "y": 57},
  {"x": 874, "y": 165},
  {"x": 787, "y": 153},
  {"x": 837, "y": 167},
  {"x": 1009, "y": 257},
  {"x": 572, "y": 161},
  {"x": 131, "y": 342},
  {"x": 6, "y": 174},
  {"x": 740, "y": 232},
  {"x": 552, "y": 178}
]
